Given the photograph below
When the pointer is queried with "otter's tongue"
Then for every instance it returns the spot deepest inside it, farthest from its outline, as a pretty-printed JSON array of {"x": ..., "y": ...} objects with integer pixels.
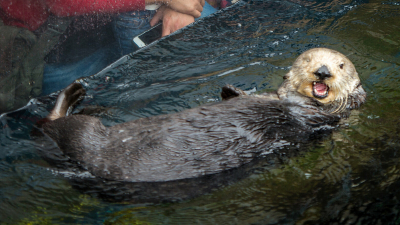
[{"x": 320, "y": 88}]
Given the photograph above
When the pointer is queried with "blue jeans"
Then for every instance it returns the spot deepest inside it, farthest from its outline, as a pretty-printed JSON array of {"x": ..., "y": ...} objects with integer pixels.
[
  {"x": 130, "y": 24},
  {"x": 57, "y": 76}
]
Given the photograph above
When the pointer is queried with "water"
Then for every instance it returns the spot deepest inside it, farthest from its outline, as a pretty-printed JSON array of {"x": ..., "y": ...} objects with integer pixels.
[{"x": 351, "y": 177}]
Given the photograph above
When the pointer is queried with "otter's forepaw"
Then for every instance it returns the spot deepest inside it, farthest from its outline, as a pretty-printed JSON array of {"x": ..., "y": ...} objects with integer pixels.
[
  {"x": 67, "y": 98},
  {"x": 72, "y": 94},
  {"x": 229, "y": 91}
]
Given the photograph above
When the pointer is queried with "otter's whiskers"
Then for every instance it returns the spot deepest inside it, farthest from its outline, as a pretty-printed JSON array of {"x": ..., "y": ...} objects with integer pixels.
[{"x": 342, "y": 105}]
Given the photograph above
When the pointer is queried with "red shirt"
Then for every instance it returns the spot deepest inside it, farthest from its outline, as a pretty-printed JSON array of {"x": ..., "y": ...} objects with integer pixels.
[{"x": 33, "y": 13}]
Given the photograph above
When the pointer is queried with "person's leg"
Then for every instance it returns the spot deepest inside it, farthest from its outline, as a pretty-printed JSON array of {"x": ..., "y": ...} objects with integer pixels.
[
  {"x": 128, "y": 25},
  {"x": 57, "y": 76}
]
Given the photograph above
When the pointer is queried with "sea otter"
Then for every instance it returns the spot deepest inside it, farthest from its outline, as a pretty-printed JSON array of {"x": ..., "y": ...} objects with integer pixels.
[{"x": 321, "y": 87}]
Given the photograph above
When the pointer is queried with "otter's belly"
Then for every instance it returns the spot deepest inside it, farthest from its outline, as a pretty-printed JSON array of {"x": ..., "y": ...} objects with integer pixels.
[
  {"x": 185, "y": 145},
  {"x": 192, "y": 143},
  {"x": 205, "y": 140}
]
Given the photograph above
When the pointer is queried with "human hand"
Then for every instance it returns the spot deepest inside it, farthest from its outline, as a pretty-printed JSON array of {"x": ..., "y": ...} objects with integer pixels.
[
  {"x": 190, "y": 7},
  {"x": 172, "y": 20}
]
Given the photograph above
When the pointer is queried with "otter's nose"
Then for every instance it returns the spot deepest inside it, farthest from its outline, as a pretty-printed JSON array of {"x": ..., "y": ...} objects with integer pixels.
[{"x": 322, "y": 73}]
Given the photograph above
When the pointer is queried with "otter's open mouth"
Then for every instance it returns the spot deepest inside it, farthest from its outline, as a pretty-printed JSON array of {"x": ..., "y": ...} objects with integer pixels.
[{"x": 320, "y": 90}]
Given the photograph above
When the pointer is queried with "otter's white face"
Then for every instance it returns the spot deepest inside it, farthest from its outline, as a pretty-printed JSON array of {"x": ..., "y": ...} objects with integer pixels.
[{"x": 324, "y": 75}]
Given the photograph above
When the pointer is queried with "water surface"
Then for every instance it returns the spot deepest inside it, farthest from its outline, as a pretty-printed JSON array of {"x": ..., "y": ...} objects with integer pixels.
[{"x": 351, "y": 177}]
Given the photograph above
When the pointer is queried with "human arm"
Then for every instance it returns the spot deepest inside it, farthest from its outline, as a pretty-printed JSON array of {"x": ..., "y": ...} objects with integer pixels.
[
  {"x": 190, "y": 7},
  {"x": 30, "y": 14},
  {"x": 81, "y": 7}
]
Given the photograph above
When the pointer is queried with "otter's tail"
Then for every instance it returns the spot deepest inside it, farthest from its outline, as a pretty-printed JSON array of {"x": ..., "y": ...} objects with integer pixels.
[{"x": 67, "y": 98}]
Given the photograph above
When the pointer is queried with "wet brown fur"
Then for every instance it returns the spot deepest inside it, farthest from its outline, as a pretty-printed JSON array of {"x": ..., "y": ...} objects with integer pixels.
[{"x": 213, "y": 138}]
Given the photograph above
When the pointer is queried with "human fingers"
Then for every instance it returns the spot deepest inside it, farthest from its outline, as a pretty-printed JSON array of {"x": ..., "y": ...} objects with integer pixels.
[
  {"x": 157, "y": 17},
  {"x": 198, "y": 4},
  {"x": 165, "y": 30},
  {"x": 173, "y": 21},
  {"x": 191, "y": 7}
]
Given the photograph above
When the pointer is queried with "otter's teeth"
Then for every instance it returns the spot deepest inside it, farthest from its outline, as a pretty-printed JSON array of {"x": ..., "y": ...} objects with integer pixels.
[{"x": 320, "y": 90}]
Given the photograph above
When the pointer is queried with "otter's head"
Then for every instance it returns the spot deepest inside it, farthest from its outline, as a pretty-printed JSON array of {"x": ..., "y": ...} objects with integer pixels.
[{"x": 326, "y": 76}]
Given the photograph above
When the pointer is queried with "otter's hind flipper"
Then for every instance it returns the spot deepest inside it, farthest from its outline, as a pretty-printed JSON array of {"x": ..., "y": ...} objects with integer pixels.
[
  {"x": 229, "y": 91},
  {"x": 67, "y": 98}
]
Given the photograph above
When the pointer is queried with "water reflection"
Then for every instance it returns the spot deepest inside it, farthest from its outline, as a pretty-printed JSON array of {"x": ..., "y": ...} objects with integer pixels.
[{"x": 349, "y": 178}]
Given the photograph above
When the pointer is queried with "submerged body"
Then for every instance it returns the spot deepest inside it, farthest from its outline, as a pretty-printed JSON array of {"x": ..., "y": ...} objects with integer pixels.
[
  {"x": 213, "y": 138},
  {"x": 189, "y": 144}
]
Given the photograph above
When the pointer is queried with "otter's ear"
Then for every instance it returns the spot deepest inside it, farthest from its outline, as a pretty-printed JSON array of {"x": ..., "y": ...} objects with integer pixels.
[
  {"x": 230, "y": 91},
  {"x": 357, "y": 97}
]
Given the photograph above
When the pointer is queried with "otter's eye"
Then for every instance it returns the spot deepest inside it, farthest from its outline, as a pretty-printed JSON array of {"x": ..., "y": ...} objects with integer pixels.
[{"x": 341, "y": 65}]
